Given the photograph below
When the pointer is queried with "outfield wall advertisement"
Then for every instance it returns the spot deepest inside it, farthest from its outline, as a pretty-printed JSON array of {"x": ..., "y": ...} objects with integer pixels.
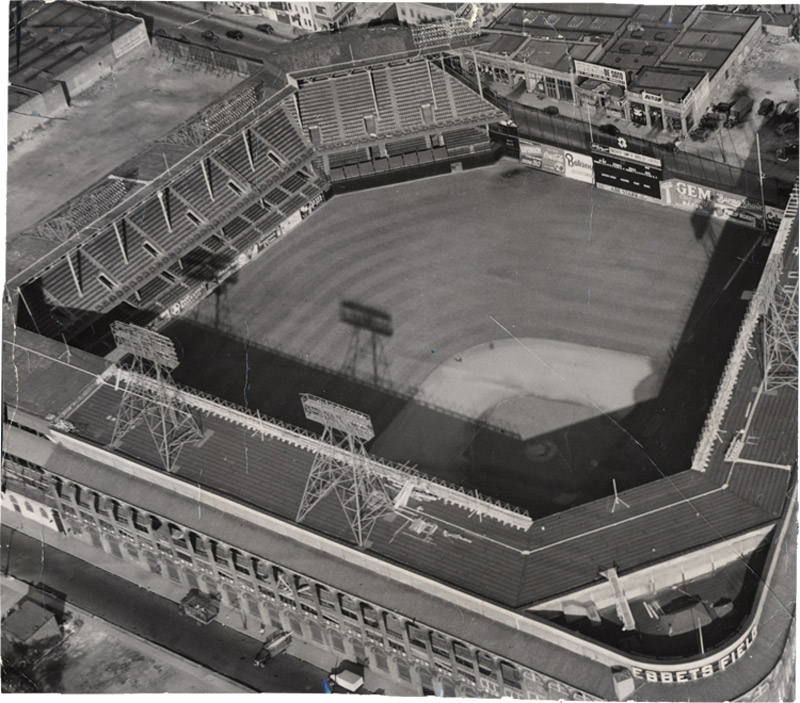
[
  {"x": 578, "y": 166},
  {"x": 719, "y": 204},
  {"x": 555, "y": 160}
]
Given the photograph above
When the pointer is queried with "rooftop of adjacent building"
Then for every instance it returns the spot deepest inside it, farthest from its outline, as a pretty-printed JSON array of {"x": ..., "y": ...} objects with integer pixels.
[{"x": 54, "y": 37}]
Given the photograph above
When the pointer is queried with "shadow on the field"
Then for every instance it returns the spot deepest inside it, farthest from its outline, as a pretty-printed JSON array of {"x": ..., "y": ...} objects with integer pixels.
[
  {"x": 271, "y": 380},
  {"x": 543, "y": 474}
]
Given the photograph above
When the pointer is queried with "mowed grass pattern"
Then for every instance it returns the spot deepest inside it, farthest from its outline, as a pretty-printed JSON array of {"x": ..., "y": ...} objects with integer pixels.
[{"x": 544, "y": 256}]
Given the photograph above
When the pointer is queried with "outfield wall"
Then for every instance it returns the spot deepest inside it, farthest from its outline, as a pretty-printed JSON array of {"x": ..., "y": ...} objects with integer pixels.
[{"x": 640, "y": 177}]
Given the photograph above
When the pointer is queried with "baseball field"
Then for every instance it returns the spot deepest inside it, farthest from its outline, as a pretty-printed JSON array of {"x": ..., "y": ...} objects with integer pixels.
[{"x": 526, "y": 309}]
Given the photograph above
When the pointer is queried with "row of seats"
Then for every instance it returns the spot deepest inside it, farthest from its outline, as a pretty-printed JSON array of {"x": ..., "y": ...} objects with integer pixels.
[
  {"x": 393, "y": 95},
  {"x": 219, "y": 116}
]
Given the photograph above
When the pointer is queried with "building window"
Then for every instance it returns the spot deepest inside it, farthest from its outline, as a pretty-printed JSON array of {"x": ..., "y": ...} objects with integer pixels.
[
  {"x": 370, "y": 616},
  {"x": 326, "y": 598},
  {"x": 322, "y": 10},
  {"x": 550, "y": 87},
  {"x": 396, "y": 647},
  {"x": 486, "y": 665},
  {"x": 394, "y": 627},
  {"x": 265, "y": 592},
  {"x": 417, "y": 636},
  {"x": 439, "y": 645},
  {"x": 221, "y": 554},
  {"x": 348, "y": 607},
  {"x": 240, "y": 563},
  {"x": 140, "y": 521},
  {"x": 565, "y": 90},
  {"x": 337, "y": 642}
]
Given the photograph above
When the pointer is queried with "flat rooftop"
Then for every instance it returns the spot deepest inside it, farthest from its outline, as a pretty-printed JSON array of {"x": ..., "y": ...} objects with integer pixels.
[
  {"x": 571, "y": 21},
  {"x": 55, "y": 36},
  {"x": 671, "y": 85},
  {"x": 553, "y": 54}
]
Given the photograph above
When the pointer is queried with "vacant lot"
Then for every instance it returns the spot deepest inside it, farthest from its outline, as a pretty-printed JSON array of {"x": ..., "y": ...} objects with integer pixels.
[{"x": 111, "y": 122}]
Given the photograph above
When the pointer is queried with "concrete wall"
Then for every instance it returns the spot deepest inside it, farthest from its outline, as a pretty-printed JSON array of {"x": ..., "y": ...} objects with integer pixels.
[{"x": 77, "y": 79}]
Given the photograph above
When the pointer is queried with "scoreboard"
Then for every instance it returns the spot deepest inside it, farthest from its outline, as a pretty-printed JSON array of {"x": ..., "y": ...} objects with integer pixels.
[{"x": 627, "y": 172}]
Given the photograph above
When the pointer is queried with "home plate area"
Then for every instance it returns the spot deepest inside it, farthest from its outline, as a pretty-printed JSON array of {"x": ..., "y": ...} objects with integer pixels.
[{"x": 534, "y": 422}]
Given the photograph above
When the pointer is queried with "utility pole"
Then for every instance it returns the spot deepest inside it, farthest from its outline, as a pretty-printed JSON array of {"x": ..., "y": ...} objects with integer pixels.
[{"x": 761, "y": 185}]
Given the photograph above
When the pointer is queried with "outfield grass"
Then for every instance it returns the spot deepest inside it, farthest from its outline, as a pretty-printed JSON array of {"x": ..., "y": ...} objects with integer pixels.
[{"x": 545, "y": 257}]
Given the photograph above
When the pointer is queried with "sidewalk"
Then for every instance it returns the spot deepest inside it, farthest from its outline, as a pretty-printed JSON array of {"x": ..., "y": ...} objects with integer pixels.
[
  {"x": 145, "y": 605},
  {"x": 311, "y": 664}
]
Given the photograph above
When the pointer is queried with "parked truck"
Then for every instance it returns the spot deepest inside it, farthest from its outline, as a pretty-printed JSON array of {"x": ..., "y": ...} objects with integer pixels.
[{"x": 739, "y": 111}]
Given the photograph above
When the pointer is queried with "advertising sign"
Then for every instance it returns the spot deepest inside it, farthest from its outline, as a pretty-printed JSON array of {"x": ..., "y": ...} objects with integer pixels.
[
  {"x": 541, "y": 156},
  {"x": 652, "y": 97},
  {"x": 530, "y": 153},
  {"x": 578, "y": 166},
  {"x": 719, "y": 204},
  {"x": 701, "y": 672},
  {"x": 602, "y": 73}
]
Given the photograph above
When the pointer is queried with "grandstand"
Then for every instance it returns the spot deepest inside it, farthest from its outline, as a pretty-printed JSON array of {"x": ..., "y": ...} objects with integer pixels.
[
  {"x": 397, "y": 108},
  {"x": 223, "y": 198},
  {"x": 454, "y": 593}
]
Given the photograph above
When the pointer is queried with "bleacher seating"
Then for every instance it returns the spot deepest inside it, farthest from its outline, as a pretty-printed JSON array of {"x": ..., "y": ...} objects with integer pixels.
[
  {"x": 407, "y": 97},
  {"x": 466, "y": 140},
  {"x": 348, "y": 156},
  {"x": 405, "y": 146}
]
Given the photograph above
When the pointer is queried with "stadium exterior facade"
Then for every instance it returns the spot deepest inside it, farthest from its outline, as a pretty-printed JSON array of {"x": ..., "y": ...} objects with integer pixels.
[{"x": 449, "y": 607}]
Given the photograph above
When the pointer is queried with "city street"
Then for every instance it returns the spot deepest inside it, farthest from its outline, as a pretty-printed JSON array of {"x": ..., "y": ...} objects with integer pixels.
[
  {"x": 176, "y": 20},
  {"x": 152, "y": 617}
]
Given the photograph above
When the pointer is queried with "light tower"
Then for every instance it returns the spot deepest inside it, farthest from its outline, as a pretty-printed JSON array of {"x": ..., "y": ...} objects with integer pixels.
[
  {"x": 343, "y": 467},
  {"x": 780, "y": 325},
  {"x": 150, "y": 394}
]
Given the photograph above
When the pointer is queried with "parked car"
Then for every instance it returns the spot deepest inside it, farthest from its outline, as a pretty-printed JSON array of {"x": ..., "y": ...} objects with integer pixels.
[
  {"x": 236, "y": 34},
  {"x": 780, "y": 108},
  {"x": 723, "y": 107},
  {"x": 766, "y": 107},
  {"x": 786, "y": 127},
  {"x": 265, "y": 28},
  {"x": 699, "y": 134},
  {"x": 786, "y": 152},
  {"x": 710, "y": 120},
  {"x": 610, "y": 129},
  {"x": 669, "y": 147},
  {"x": 208, "y": 35},
  {"x": 551, "y": 110}
]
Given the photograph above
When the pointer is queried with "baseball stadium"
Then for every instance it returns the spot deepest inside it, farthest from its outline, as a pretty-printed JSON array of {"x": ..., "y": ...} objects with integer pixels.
[{"x": 352, "y": 366}]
